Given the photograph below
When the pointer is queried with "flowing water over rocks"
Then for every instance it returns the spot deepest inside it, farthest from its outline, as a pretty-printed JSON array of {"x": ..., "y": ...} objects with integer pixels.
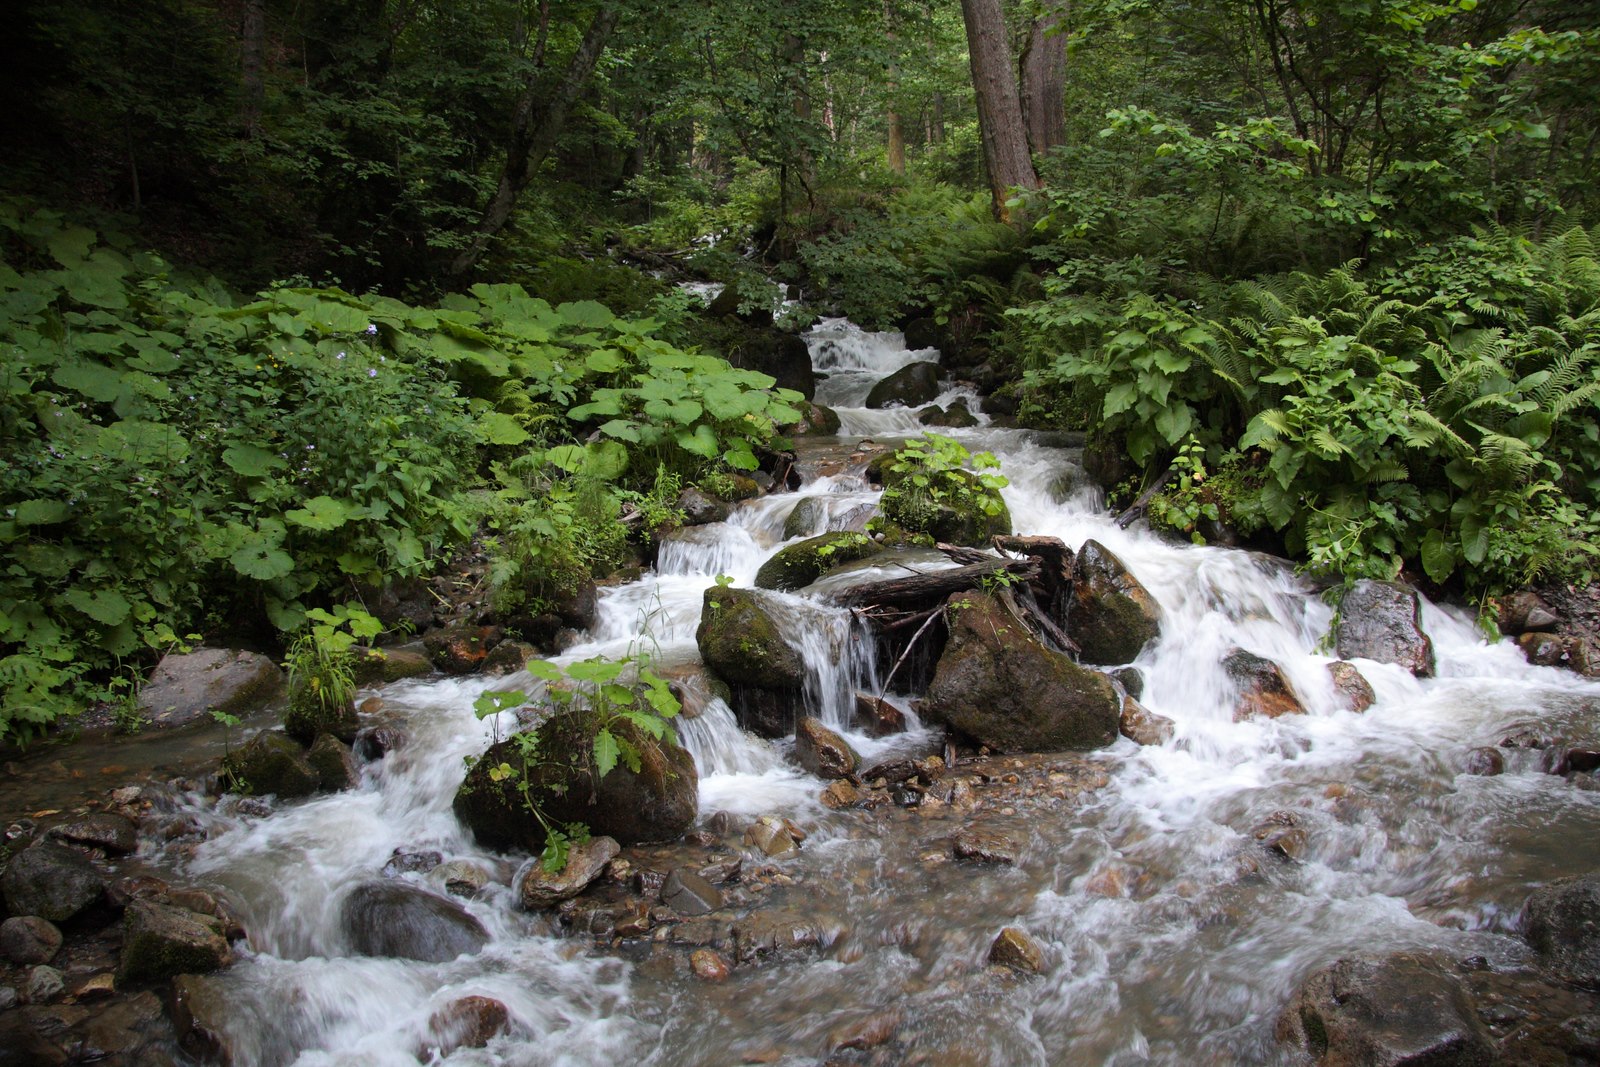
[{"x": 1172, "y": 898}]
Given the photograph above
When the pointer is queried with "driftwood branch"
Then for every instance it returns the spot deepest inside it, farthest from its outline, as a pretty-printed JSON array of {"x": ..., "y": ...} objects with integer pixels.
[
  {"x": 1136, "y": 511},
  {"x": 923, "y": 589}
]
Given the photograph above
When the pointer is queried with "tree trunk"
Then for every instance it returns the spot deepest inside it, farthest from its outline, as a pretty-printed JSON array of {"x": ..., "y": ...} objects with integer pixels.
[
  {"x": 252, "y": 53},
  {"x": 1044, "y": 79},
  {"x": 897, "y": 133},
  {"x": 534, "y": 132},
  {"x": 1005, "y": 142}
]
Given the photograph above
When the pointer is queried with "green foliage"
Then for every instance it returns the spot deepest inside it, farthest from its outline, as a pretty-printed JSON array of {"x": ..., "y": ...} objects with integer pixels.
[
  {"x": 319, "y": 663},
  {"x": 606, "y": 692},
  {"x": 932, "y": 476},
  {"x": 1369, "y": 430},
  {"x": 176, "y": 453}
]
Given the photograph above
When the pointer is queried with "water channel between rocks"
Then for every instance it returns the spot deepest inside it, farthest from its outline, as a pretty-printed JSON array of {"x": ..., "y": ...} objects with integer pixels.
[{"x": 1162, "y": 945}]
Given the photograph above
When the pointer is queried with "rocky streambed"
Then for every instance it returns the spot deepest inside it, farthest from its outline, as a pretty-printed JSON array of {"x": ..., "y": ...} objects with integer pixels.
[{"x": 1076, "y": 795}]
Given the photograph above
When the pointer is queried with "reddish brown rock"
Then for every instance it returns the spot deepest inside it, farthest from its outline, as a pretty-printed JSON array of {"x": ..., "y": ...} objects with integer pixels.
[
  {"x": 1139, "y": 724},
  {"x": 1016, "y": 949},
  {"x": 1355, "y": 689},
  {"x": 1264, "y": 692},
  {"x": 470, "y": 1022}
]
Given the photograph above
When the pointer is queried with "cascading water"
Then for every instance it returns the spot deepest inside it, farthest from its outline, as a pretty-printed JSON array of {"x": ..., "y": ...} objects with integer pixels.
[{"x": 1161, "y": 944}]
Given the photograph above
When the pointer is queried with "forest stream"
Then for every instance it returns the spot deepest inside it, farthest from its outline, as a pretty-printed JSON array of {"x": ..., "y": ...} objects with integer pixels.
[{"x": 1169, "y": 934}]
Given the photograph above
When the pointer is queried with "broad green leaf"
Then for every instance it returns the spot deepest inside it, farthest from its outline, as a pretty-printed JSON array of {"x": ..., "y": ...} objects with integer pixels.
[
  {"x": 702, "y": 442},
  {"x": 1173, "y": 422},
  {"x": 605, "y": 361},
  {"x": 41, "y": 512},
  {"x": 492, "y": 703},
  {"x": 70, "y": 245},
  {"x": 94, "y": 380},
  {"x": 605, "y": 460},
  {"x": 622, "y": 429},
  {"x": 103, "y": 605},
  {"x": 251, "y": 461},
  {"x": 320, "y": 513},
  {"x": 544, "y": 670},
  {"x": 498, "y": 428},
  {"x": 606, "y": 752},
  {"x": 585, "y": 313},
  {"x": 597, "y": 669},
  {"x": 617, "y": 694},
  {"x": 262, "y": 559},
  {"x": 568, "y": 457},
  {"x": 1438, "y": 556}
]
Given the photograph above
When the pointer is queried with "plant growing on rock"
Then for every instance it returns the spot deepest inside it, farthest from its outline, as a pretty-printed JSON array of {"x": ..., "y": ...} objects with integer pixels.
[
  {"x": 930, "y": 490},
  {"x": 616, "y": 709},
  {"x": 321, "y": 675}
]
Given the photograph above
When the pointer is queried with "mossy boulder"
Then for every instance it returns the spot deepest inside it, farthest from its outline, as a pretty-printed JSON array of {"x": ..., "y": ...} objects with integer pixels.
[
  {"x": 911, "y": 385},
  {"x": 965, "y": 511},
  {"x": 658, "y": 802},
  {"x": 956, "y": 415},
  {"x": 802, "y": 563},
  {"x": 816, "y": 420},
  {"x": 739, "y": 640},
  {"x": 161, "y": 942},
  {"x": 805, "y": 518},
  {"x": 274, "y": 763},
  {"x": 998, "y": 685},
  {"x": 1112, "y": 614},
  {"x": 308, "y": 716}
]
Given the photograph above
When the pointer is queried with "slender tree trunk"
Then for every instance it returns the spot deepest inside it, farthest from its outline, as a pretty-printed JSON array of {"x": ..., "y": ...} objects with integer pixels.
[
  {"x": 1005, "y": 142},
  {"x": 897, "y": 133},
  {"x": 252, "y": 54},
  {"x": 1044, "y": 79},
  {"x": 534, "y": 131}
]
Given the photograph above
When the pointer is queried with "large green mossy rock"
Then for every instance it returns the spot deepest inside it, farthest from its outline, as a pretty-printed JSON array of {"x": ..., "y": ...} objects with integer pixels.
[
  {"x": 274, "y": 763},
  {"x": 999, "y": 686},
  {"x": 802, "y": 563},
  {"x": 308, "y": 717},
  {"x": 1112, "y": 615},
  {"x": 739, "y": 640},
  {"x": 911, "y": 386},
  {"x": 658, "y": 802}
]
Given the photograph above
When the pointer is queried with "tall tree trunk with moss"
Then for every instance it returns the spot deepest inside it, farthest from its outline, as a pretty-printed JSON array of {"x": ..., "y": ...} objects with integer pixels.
[
  {"x": 1005, "y": 142},
  {"x": 1044, "y": 78},
  {"x": 537, "y": 122}
]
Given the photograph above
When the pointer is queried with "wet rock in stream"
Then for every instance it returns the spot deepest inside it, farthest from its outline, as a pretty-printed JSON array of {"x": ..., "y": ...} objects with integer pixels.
[
  {"x": 658, "y": 802},
  {"x": 160, "y": 941},
  {"x": 1113, "y": 616},
  {"x": 1264, "y": 692},
  {"x": 1383, "y": 621},
  {"x": 823, "y": 752},
  {"x": 998, "y": 685},
  {"x": 1562, "y": 923},
  {"x": 538, "y": 888},
  {"x": 51, "y": 881},
  {"x": 1385, "y": 1012},
  {"x": 397, "y": 919}
]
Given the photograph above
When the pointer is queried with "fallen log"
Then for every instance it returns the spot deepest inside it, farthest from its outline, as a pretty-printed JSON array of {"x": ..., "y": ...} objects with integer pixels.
[{"x": 928, "y": 589}]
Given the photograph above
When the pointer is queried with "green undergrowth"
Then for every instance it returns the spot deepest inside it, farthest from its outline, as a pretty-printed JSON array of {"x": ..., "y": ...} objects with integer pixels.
[
  {"x": 1439, "y": 413},
  {"x": 178, "y": 457}
]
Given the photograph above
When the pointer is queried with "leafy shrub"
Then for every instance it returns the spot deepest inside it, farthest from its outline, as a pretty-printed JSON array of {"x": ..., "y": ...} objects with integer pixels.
[{"x": 1370, "y": 430}]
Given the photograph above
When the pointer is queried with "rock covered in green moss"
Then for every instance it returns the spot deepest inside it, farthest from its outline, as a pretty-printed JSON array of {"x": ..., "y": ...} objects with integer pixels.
[
  {"x": 308, "y": 717},
  {"x": 1001, "y": 687},
  {"x": 1112, "y": 614},
  {"x": 271, "y": 762},
  {"x": 160, "y": 942},
  {"x": 739, "y": 639},
  {"x": 800, "y": 564},
  {"x": 656, "y": 803}
]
